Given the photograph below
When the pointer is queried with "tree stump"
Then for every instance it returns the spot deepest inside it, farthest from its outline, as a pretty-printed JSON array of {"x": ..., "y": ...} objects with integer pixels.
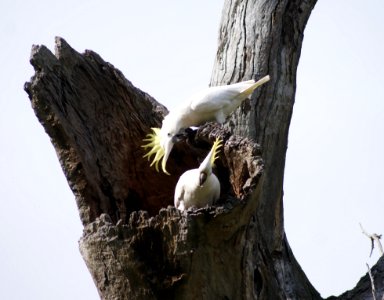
[{"x": 133, "y": 238}]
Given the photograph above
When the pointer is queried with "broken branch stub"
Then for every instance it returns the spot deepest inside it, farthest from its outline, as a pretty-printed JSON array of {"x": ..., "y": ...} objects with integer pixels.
[{"x": 96, "y": 120}]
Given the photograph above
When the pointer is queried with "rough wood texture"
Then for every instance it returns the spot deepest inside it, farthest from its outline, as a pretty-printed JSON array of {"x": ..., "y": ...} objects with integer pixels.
[
  {"x": 195, "y": 254},
  {"x": 96, "y": 120},
  {"x": 135, "y": 244},
  {"x": 258, "y": 38}
]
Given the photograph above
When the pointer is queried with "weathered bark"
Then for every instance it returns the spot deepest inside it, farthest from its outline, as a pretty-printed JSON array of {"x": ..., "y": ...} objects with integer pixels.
[
  {"x": 135, "y": 244},
  {"x": 191, "y": 255},
  {"x": 259, "y": 38},
  {"x": 96, "y": 120}
]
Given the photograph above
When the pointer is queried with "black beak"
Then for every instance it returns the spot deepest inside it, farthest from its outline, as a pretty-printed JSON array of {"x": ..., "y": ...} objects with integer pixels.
[
  {"x": 184, "y": 134},
  {"x": 177, "y": 138}
]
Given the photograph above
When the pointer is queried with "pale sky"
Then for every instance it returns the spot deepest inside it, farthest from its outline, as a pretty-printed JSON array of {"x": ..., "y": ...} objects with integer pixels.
[{"x": 335, "y": 159}]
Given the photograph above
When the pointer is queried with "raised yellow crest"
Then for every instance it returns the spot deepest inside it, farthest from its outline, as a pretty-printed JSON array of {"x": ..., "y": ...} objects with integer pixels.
[
  {"x": 215, "y": 150},
  {"x": 155, "y": 149}
]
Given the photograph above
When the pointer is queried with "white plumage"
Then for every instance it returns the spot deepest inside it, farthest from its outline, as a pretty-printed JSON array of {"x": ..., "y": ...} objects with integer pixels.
[
  {"x": 199, "y": 187},
  {"x": 211, "y": 104}
]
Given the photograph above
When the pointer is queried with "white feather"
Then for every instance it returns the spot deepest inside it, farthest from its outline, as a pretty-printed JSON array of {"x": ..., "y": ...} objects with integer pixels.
[
  {"x": 211, "y": 104},
  {"x": 190, "y": 191},
  {"x": 217, "y": 97}
]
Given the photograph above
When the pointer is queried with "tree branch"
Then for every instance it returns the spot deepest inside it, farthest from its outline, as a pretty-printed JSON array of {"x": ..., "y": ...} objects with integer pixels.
[
  {"x": 374, "y": 238},
  {"x": 372, "y": 283}
]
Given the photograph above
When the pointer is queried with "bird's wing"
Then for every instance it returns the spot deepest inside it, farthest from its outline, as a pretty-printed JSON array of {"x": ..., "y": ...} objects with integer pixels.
[
  {"x": 217, "y": 189},
  {"x": 179, "y": 194},
  {"x": 214, "y": 98}
]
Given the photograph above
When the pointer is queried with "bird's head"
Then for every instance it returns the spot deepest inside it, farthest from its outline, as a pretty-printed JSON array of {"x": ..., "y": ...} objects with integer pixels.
[
  {"x": 207, "y": 164},
  {"x": 161, "y": 142}
]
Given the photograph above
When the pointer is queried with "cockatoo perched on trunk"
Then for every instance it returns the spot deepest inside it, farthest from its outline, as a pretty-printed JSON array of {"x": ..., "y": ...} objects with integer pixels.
[
  {"x": 212, "y": 104},
  {"x": 199, "y": 187}
]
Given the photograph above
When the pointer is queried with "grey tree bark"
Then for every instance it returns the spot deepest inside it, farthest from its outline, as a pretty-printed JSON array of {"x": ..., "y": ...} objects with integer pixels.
[{"x": 135, "y": 243}]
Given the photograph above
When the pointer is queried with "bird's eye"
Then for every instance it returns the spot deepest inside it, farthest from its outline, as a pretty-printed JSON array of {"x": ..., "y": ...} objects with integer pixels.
[{"x": 169, "y": 135}]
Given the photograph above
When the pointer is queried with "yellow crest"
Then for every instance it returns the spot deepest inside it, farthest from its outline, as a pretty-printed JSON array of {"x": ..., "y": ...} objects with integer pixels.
[
  {"x": 215, "y": 150},
  {"x": 155, "y": 148}
]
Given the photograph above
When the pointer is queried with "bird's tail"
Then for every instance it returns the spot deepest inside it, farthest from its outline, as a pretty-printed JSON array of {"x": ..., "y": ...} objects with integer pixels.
[{"x": 248, "y": 91}]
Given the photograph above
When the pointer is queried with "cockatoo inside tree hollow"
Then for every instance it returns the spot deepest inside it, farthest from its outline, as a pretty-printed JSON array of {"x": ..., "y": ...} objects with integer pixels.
[
  {"x": 199, "y": 187},
  {"x": 212, "y": 104}
]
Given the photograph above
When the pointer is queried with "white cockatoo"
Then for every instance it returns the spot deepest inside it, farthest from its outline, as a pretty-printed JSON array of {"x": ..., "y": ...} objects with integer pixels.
[
  {"x": 212, "y": 104},
  {"x": 199, "y": 187}
]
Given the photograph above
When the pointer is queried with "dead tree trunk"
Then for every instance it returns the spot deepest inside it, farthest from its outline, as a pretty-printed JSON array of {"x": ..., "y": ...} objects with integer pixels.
[{"x": 135, "y": 244}]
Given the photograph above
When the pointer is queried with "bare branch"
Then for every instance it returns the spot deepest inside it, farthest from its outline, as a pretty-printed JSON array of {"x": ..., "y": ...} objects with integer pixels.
[
  {"x": 372, "y": 283},
  {"x": 373, "y": 237}
]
